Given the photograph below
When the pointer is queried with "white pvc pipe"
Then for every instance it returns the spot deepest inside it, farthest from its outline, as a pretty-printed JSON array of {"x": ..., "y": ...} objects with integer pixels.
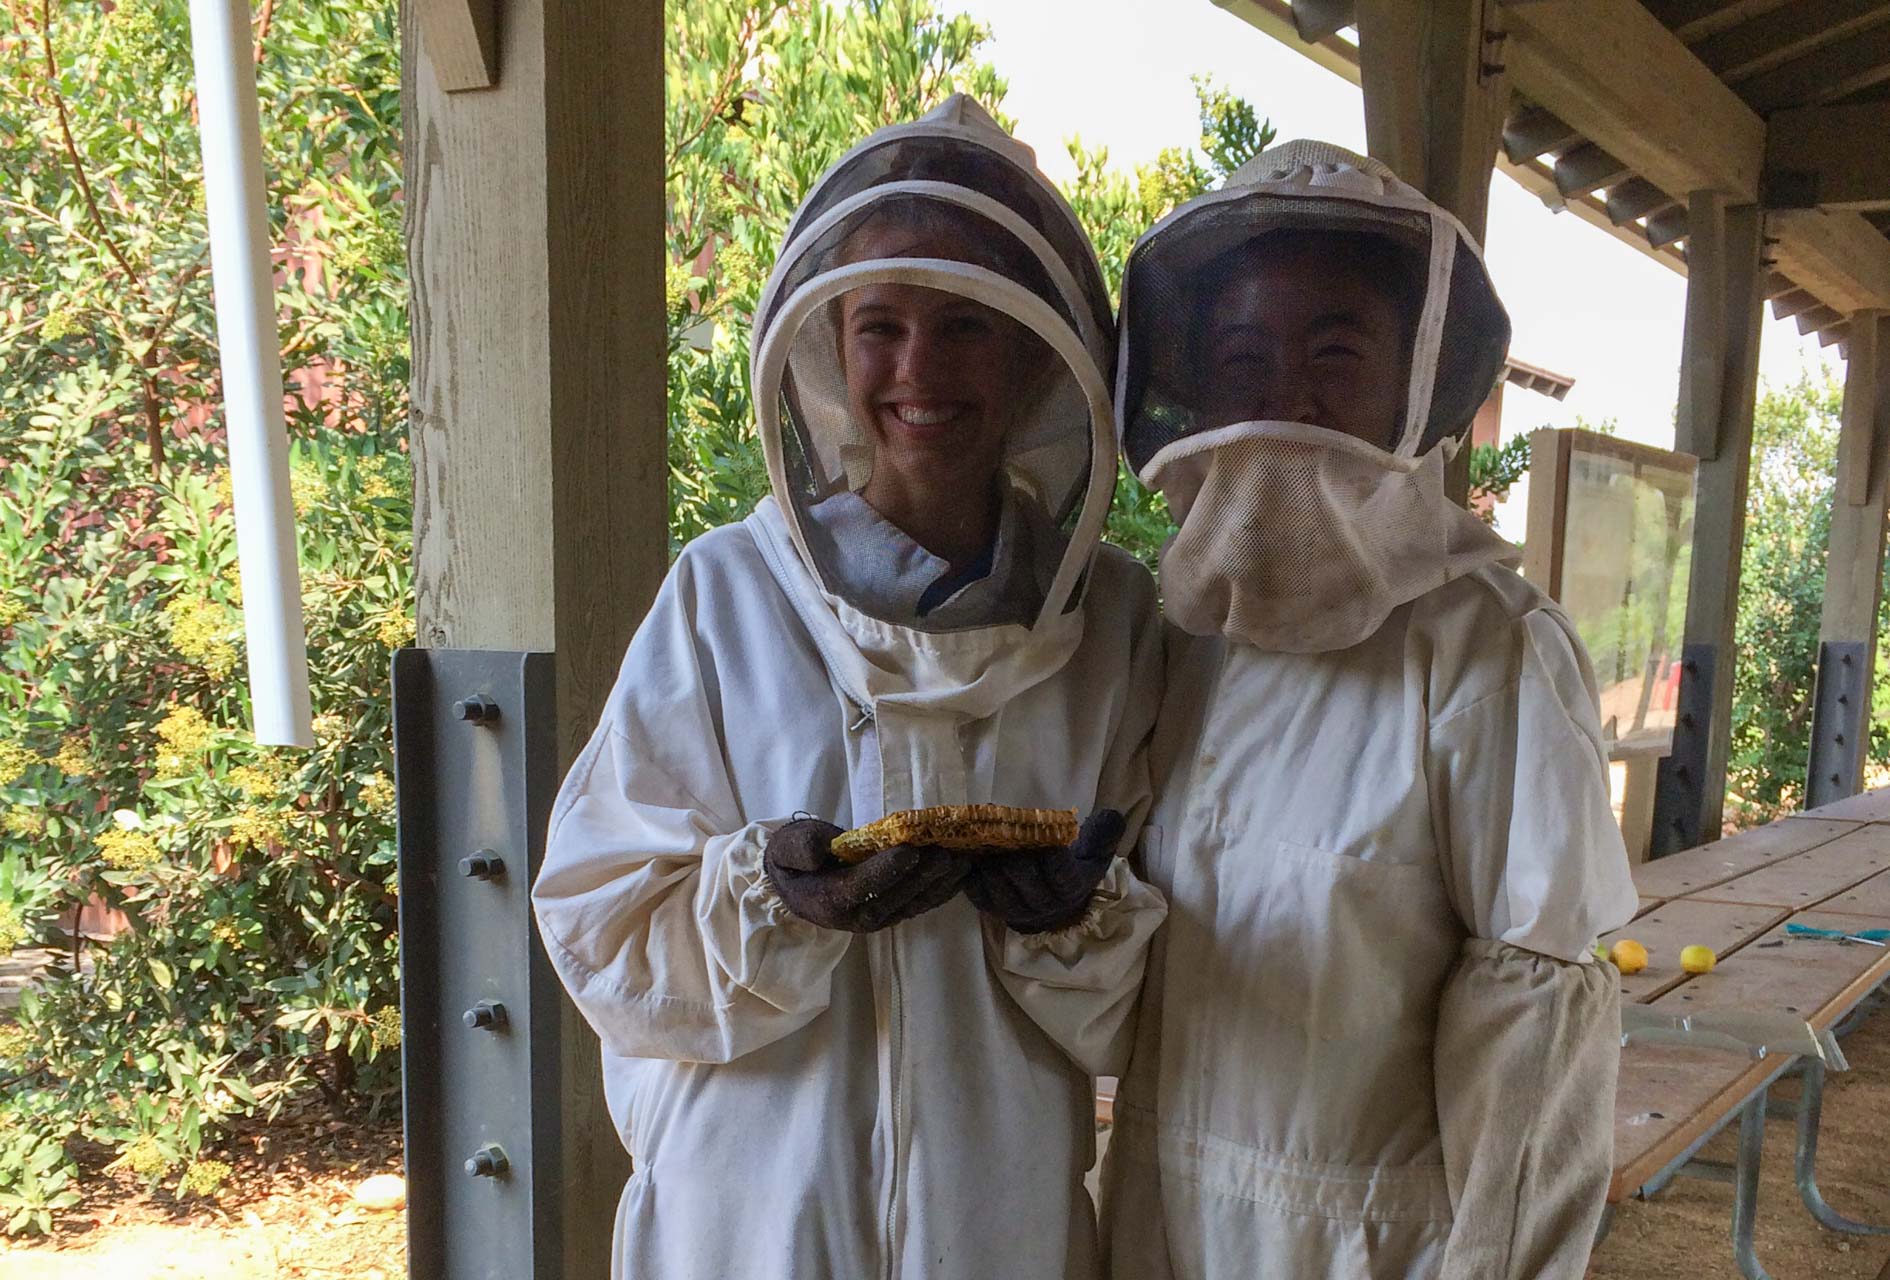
[{"x": 244, "y": 279}]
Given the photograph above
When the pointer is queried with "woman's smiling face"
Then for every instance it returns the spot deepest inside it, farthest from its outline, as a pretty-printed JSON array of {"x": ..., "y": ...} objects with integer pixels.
[{"x": 935, "y": 379}]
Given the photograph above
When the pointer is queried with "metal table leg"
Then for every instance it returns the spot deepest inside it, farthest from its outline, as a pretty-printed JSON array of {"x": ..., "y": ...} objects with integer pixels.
[
  {"x": 1865, "y": 1007},
  {"x": 1810, "y": 1105},
  {"x": 1746, "y": 1182}
]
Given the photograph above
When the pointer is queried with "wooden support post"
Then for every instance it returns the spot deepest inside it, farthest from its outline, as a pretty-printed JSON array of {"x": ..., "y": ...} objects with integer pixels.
[
  {"x": 1718, "y": 386},
  {"x": 1435, "y": 101},
  {"x": 1853, "y": 576},
  {"x": 535, "y": 236}
]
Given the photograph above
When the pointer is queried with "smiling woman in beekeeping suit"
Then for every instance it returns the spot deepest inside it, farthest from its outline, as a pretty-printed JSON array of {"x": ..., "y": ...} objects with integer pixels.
[
  {"x": 1375, "y": 1042},
  {"x": 881, "y": 1068}
]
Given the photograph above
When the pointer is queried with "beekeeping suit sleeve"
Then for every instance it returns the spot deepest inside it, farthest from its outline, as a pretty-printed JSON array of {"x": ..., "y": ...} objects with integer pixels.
[
  {"x": 652, "y": 901},
  {"x": 1528, "y": 1027},
  {"x": 1082, "y": 984}
]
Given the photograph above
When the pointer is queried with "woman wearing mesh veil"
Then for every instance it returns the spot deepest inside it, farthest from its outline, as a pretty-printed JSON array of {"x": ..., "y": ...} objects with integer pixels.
[
  {"x": 879, "y": 1068},
  {"x": 1375, "y": 1042}
]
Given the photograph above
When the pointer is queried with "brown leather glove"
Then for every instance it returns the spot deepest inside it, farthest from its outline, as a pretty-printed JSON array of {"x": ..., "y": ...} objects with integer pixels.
[
  {"x": 1042, "y": 890},
  {"x": 893, "y": 885}
]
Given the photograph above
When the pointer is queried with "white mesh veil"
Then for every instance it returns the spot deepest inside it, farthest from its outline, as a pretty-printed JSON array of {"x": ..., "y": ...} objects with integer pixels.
[
  {"x": 1461, "y": 332},
  {"x": 937, "y": 246},
  {"x": 1297, "y": 537}
]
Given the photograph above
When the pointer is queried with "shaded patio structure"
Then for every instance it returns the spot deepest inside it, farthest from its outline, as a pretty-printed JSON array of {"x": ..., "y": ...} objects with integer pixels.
[{"x": 1739, "y": 141}]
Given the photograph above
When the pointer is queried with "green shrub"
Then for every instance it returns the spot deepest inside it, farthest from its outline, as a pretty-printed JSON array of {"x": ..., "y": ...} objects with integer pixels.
[{"x": 258, "y": 883}]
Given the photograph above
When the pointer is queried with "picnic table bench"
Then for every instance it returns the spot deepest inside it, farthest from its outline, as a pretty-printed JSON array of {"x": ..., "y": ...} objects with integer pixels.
[{"x": 1829, "y": 869}]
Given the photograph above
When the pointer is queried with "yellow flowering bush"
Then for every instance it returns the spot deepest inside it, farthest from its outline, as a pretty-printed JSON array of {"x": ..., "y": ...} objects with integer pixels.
[
  {"x": 12, "y": 929},
  {"x": 256, "y": 827},
  {"x": 377, "y": 792},
  {"x": 127, "y": 772},
  {"x": 21, "y": 821},
  {"x": 15, "y": 760},
  {"x": 123, "y": 850},
  {"x": 202, "y": 1178},
  {"x": 75, "y": 756},
  {"x": 203, "y": 631}
]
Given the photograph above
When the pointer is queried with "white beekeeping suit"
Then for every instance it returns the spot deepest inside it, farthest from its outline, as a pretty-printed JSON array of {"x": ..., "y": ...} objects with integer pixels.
[
  {"x": 1375, "y": 1042},
  {"x": 915, "y": 1101}
]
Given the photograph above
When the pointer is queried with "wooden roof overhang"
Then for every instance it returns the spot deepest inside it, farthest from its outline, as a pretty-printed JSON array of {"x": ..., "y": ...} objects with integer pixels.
[{"x": 1622, "y": 109}]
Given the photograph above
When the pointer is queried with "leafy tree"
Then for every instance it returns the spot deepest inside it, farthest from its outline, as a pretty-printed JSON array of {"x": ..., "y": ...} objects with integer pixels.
[{"x": 1781, "y": 593}]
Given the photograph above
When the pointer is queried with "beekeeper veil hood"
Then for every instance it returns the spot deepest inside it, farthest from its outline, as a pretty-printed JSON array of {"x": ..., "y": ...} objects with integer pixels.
[
  {"x": 936, "y": 328},
  {"x": 1296, "y": 536}
]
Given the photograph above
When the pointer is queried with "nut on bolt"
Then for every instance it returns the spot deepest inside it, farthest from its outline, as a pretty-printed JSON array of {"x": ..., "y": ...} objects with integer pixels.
[
  {"x": 487, "y": 1162},
  {"x": 488, "y": 1015},
  {"x": 478, "y": 709},
  {"x": 482, "y": 864}
]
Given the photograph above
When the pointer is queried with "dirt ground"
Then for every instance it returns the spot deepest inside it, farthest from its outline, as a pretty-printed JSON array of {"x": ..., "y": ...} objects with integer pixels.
[{"x": 287, "y": 1212}]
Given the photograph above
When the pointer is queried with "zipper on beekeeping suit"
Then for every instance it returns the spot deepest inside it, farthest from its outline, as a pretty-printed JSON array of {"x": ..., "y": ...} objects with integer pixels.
[
  {"x": 888, "y": 1013},
  {"x": 881, "y": 959}
]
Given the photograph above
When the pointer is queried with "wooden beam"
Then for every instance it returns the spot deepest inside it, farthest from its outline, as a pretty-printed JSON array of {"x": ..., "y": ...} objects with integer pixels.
[
  {"x": 1815, "y": 319},
  {"x": 1824, "y": 75},
  {"x": 1275, "y": 19},
  {"x": 1531, "y": 131},
  {"x": 1853, "y": 576},
  {"x": 1838, "y": 256},
  {"x": 461, "y": 40},
  {"x": 1588, "y": 168},
  {"x": 535, "y": 215},
  {"x": 1610, "y": 69},
  {"x": 1718, "y": 387},
  {"x": 1839, "y": 150},
  {"x": 1766, "y": 42},
  {"x": 1618, "y": 85},
  {"x": 1693, "y": 20},
  {"x": 1435, "y": 97},
  {"x": 1667, "y": 226},
  {"x": 1435, "y": 102},
  {"x": 1317, "y": 19},
  {"x": 1793, "y": 303},
  {"x": 1637, "y": 198}
]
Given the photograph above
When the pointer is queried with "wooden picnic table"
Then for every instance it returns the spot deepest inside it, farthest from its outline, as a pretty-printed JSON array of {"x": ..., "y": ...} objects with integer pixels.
[{"x": 1828, "y": 870}]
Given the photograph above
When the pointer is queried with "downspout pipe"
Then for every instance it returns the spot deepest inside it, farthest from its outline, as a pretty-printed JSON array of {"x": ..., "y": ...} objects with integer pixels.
[{"x": 244, "y": 280}]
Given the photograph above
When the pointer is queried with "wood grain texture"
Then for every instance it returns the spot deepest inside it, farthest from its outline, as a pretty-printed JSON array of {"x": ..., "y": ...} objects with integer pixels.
[
  {"x": 1697, "y": 870},
  {"x": 1870, "y": 898},
  {"x": 1867, "y": 806},
  {"x": 1668, "y": 1097},
  {"x": 535, "y": 225},
  {"x": 461, "y": 38},
  {"x": 535, "y": 242},
  {"x": 1718, "y": 391},
  {"x": 1817, "y": 979},
  {"x": 1686, "y": 922},
  {"x": 1611, "y": 70},
  {"x": 1436, "y": 97},
  {"x": 1805, "y": 880}
]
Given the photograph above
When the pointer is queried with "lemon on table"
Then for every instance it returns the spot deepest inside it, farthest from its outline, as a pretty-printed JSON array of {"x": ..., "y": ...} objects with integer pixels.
[
  {"x": 1628, "y": 956},
  {"x": 1698, "y": 959}
]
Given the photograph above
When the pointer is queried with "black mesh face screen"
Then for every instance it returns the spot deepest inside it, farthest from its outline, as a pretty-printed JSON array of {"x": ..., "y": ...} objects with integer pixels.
[{"x": 1176, "y": 273}]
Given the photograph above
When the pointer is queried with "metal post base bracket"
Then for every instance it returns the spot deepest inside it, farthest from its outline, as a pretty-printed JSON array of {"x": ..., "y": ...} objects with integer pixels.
[
  {"x": 475, "y": 756},
  {"x": 1680, "y": 788},
  {"x": 1840, "y": 708}
]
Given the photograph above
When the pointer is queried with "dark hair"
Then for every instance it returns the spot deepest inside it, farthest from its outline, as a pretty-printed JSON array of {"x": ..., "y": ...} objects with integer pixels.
[{"x": 1393, "y": 270}]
